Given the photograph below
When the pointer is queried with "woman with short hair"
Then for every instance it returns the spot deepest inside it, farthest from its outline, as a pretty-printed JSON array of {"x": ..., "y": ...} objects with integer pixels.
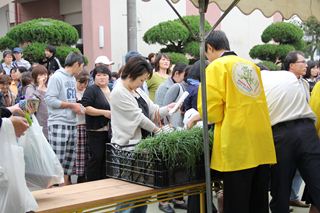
[
  {"x": 38, "y": 90},
  {"x": 135, "y": 114},
  {"x": 96, "y": 99}
]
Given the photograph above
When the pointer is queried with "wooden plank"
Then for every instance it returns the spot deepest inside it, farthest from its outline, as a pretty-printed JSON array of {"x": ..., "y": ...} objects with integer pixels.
[{"x": 87, "y": 195}]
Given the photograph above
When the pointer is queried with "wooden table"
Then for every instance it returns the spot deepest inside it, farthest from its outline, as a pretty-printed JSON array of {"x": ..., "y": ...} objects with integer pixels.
[{"x": 106, "y": 195}]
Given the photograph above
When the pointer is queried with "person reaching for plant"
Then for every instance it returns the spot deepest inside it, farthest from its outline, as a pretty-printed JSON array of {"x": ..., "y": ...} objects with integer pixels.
[{"x": 136, "y": 115}]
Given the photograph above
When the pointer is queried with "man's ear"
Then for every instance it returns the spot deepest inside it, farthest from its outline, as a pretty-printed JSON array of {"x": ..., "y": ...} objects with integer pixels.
[{"x": 210, "y": 48}]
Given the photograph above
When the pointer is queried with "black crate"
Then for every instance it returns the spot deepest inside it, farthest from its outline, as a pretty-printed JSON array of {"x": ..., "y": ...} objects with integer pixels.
[{"x": 142, "y": 168}]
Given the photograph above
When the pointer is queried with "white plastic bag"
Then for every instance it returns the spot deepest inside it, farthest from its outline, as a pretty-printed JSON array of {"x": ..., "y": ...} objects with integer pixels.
[
  {"x": 43, "y": 168},
  {"x": 14, "y": 194}
]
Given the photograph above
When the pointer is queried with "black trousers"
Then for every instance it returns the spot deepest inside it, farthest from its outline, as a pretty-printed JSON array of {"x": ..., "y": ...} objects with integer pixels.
[
  {"x": 96, "y": 165},
  {"x": 297, "y": 146},
  {"x": 246, "y": 191}
]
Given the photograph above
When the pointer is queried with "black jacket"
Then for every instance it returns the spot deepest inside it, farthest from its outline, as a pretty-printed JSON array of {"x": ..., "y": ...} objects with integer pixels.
[
  {"x": 94, "y": 97},
  {"x": 52, "y": 64}
]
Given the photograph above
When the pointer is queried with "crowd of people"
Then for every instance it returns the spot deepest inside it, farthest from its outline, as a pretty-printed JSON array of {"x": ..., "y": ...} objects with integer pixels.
[{"x": 265, "y": 129}]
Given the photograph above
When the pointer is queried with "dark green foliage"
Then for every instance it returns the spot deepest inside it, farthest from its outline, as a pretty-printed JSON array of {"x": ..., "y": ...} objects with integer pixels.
[
  {"x": 177, "y": 147},
  {"x": 311, "y": 28},
  {"x": 193, "y": 48},
  {"x": 264, "y": 52},
  {"x": 286, "y": 37},
  {"x": 178, "y": 57},
  {"x": 283, "y": 50},
  {"x": 300, "y": 45},
  {"x": 44, "y": 30},
  {"x": 7, "y": 43},
  {"x": 63, "y": 51},
  {"x": 194, "y": 23},
  {"x": 165, "y": 33},
  {"x": 34, "y": 52},
  {"x": 282, "y": 33},
  {"x": 36, "y": 34},
  {"x": 270, "y": 52},
  {"x": 270, "y": 65},
  {"x": 175, "y": 36}
]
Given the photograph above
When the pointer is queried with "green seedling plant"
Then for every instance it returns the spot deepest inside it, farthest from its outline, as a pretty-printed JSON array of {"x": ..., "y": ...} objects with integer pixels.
[{"x": 179, "y": 148}]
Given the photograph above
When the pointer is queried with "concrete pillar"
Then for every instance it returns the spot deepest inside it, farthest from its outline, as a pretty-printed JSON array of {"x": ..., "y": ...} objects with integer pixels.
[{"x": 96, "y": 29}]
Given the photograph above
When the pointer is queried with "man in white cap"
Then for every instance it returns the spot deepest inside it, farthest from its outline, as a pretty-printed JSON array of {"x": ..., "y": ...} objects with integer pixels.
[{"x": 100, "y": 60}]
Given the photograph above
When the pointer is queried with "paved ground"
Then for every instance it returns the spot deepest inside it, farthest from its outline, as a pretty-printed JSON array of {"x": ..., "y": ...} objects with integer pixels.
[{"x": 154, "y": 208}]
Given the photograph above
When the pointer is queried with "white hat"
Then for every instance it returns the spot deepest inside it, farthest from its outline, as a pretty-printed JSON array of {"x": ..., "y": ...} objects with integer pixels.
[{"x": 103, "y": 60}]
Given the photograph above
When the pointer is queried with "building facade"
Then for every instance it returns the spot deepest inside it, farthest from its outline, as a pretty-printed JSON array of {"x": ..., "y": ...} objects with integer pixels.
[{"x": 102, "y": 24}]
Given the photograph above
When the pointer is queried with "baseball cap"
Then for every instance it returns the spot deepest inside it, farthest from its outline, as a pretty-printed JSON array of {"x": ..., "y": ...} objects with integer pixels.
[
  {"x": 17, "y": 50},
  {"x": 103, "y": 60}
]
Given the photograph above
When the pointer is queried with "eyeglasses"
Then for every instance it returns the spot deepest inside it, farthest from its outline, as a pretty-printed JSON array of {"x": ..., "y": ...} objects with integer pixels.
[{"x": 300, "y": 62}]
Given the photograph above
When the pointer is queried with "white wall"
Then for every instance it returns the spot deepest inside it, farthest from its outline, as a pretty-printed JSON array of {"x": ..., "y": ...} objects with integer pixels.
[
  {"x": 152, "y": 13},
  {"x": 148, "y": 15},
  {"x": 244, "y": 31},
  {"x": 118, "y": 16}
]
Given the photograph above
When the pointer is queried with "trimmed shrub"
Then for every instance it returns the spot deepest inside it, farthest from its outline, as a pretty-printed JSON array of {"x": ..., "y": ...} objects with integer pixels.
[
  {"x": 44, "y": 30},
  {"x": 193, "y": 48},
  {"x": 175, "y": 36},
  {"x": 282, "y": 32},
  {"x": 34, "y": 52},
  {"x": 270, "y": 65},
  {"x": 63, "y": 51},
  {"x": 264, "y": 52},
  {"x": 178, "y": 58},
  {"x": 7, "y": 43},
  {"x": 166, "y": 32},
  {"x": 194, "y": 23},
  {"x": 283, "y": 50}
]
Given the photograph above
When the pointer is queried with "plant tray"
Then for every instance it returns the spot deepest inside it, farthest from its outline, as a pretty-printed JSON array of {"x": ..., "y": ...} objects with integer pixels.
[{"x": 125, "y": 164}]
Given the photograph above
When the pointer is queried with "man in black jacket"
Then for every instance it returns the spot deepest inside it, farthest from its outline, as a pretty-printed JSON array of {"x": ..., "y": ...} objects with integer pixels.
[{"x": 52, "y": 62}]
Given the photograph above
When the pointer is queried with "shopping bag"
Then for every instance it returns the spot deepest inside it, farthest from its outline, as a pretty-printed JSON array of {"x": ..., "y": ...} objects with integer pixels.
[
  {"x": 14, "y": 193},
  {"x": 43, "y": 168}
]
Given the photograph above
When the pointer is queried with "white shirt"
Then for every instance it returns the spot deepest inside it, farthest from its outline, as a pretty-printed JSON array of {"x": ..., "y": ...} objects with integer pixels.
[
  {"x": 286, "y": 100},
  {"x": 305, "y": 87},
  {"x": 22, "y": 63}
]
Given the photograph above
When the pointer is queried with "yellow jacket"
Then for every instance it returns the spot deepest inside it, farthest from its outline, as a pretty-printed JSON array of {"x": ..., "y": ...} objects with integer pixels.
[
  {"x": 315, "y": 104},
  {"x": 237, "y": 105}
]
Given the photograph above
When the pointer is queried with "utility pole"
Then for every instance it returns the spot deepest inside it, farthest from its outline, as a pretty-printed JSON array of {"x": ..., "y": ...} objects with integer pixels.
[{"x": 132, "y": 24}]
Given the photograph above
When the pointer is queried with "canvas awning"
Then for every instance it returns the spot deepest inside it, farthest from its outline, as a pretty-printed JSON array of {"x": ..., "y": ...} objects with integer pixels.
[{"x": 287, "y": 8}]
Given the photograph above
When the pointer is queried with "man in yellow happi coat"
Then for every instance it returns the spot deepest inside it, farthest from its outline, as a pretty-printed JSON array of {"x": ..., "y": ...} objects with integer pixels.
[{"x": 243, "y": 147}]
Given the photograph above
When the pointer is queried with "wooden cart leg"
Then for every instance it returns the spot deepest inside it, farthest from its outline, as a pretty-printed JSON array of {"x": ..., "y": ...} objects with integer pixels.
[{"x": 202, "y": 203}]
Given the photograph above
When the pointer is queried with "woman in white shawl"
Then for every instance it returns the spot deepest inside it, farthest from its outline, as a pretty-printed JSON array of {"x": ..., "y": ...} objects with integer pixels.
[{"x": 134, "y": 115}]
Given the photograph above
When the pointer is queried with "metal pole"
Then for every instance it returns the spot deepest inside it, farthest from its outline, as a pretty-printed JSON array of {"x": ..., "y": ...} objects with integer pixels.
[
  {"x": 132, "y": 24},
  {"x": 202, "y": 10}
]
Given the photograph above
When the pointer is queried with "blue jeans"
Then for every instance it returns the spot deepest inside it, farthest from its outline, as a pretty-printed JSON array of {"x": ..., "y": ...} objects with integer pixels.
[
  {"x": 296, "y": 184},
  {"x": 140, "y": 209}
]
